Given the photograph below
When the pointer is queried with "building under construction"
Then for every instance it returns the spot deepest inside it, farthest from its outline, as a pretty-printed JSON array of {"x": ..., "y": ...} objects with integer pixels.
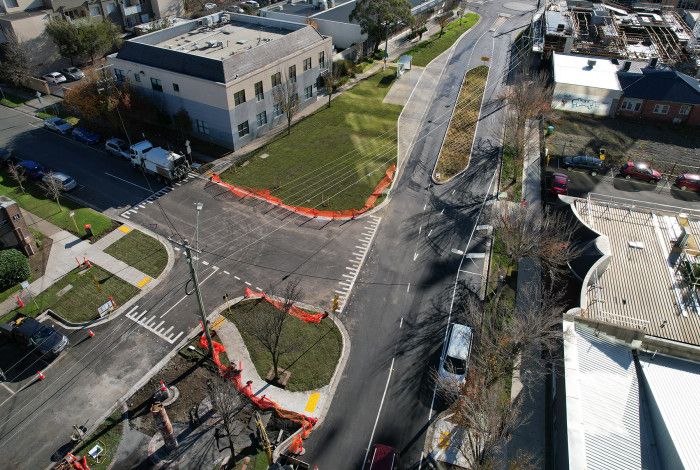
[{"x": 630, "y": 31}]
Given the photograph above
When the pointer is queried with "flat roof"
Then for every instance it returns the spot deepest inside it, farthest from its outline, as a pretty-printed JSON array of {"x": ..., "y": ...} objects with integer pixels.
[
  {"x": 585, "y": 71},
  {"x": 223, "y": 41},
  {"x": 301, "y": 8},
  {"x": 640, "y": 287}
]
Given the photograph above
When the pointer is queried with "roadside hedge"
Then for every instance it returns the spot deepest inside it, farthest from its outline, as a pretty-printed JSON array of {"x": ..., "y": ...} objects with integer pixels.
[{"x": 14, "y": 268}]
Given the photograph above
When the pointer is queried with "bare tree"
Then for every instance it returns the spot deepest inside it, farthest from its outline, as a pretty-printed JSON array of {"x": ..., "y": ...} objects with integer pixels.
[
  {"x": 286, "y": 96},
  {"x": 443, "y": 20},
  {"x": 17, "y": 174},
  {"x": 227, "y": 403},
  {"x": 529, "y": 97},
  {"x": 52, "y": 187},
  {"x": 545, "y": 237},
  {"x": 270, "y": 328},
  {"x": 330, "y": 78}
]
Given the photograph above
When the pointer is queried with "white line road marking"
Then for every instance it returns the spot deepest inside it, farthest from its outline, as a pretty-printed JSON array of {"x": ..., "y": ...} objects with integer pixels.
[
  {"x": 415, "y": 256},
  {"x": 142, "y": 206},
  {"x": 259, "y": 289},
  {"x": 7, "y": 388},
  {"x": 214, "y": 271},
  {"x": 457, "y": 252},
  {"x": 349, "y": 276},
  {"x": 379, "y": 412},
  {"x": 476, "y": 255},
  {"x": 226, "y": 272},
  {"x": 168, "y": 330},
  {"x": 453, "y": 191},
  {"x": 408, "y": 287},
  {"x": 401, "y": 323},
  {"x": 357, "y": 254},
  {"x": 176, "y": 248},
  {"x": 340, "y": 292},
  {"x": 425, "y": 206},
  {"x": 205, "y": 263},
  {"x": 442, "y": 211},
  {"x": 420, "y": 229},
  {"x": 128, "y": 182},
  {"x": 431, "y": 231},
  {"x": 140, "y": 316},
  {"x": 237, "y": 278},
  {"x": 248, "y": 283},
  {"x": 175, "y": 338},
  {"x": 125, "y": 216},
  {"x": 470, "y": 272},
  {"x": 484, "y": 227}
]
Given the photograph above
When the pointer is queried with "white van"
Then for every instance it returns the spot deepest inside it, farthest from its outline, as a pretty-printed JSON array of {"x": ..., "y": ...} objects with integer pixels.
[{"x": 454, "y": 361}]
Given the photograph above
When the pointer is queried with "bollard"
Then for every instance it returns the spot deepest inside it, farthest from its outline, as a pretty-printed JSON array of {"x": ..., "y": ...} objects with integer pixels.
[{"x": 40, "y": 375}]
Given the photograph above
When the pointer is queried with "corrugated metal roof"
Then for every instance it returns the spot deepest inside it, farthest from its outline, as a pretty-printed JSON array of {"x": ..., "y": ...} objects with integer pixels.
[
  {"x": 607, "y": 392},
  {"x": 674, "y": 385}
]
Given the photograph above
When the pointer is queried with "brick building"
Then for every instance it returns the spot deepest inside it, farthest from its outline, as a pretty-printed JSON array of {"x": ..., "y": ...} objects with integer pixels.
[{"x": 657, "y": 94}]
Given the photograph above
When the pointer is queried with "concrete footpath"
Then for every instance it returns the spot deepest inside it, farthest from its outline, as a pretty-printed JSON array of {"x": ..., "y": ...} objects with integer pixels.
[{"x": 67, "y": 250}]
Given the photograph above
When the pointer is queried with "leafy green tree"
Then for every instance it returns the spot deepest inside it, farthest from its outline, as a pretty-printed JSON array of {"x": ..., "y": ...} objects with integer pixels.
[
  {"x": 378, "y": 17},
  {"x": 14, "y": 268},
  {"x": 98, "y": 37},
  {"x": 14, "y": 62},
  {"x": 66, "y": 36}
]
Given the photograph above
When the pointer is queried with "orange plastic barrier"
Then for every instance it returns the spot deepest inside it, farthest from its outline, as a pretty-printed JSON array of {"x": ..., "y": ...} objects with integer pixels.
[
  {"x": 265, "y": 195},
  {"x": 229, "y": 372},
  {"x": 294, "y": 310}
]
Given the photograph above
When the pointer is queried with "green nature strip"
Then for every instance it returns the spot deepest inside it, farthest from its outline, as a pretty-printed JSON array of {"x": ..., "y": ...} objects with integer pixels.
[
  {"x": 334, "y": 158},
  {"x": 34, "y": 201},
  {"x": 79, "y": 303},
  {"x": 456, "y": 150},
  {"x": 429, "y": 49},
  {"x": 140, "y": 251}
]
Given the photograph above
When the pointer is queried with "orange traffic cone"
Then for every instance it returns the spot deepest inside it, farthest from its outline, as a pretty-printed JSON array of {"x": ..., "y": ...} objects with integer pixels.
[
  {"x": 40, "y": 375},
  {"x": 297, "y": 446},
  {"x": 20, "y": 304},
  {"x": 91, "y": 333},
  {"x": 163, "y": 388}
]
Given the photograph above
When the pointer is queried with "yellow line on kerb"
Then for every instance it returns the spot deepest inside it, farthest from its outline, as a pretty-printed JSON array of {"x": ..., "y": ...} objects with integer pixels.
[
  {"x": 143, "y": 282},
  {"x": 313, "y": 401},
  {"x": 125, "y": 229}
]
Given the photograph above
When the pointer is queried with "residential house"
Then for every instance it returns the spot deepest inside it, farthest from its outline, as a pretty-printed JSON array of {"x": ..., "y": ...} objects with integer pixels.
[
  {"x": 660, "y": 94},
  {"x": 222, "y": 69}
]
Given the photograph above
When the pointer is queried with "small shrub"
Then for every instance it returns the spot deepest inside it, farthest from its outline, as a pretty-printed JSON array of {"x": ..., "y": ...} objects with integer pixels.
[
  {"x": 14, "y": 268},
  {"x": 345, "y": 68}
]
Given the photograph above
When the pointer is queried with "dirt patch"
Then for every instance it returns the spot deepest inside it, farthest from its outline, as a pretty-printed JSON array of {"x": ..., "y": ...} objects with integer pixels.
[
  {"x": 669, "y": 148},
  {"x": 37, "y": 262}
]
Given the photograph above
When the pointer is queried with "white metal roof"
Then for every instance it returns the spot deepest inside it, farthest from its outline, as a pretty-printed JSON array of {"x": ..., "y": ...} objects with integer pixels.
[
  {"x": 592, "y": 72},
  {"x": 673, "y": 385}
]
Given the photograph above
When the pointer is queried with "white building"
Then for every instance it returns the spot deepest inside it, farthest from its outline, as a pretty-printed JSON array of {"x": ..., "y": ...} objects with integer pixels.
[
  {"x": 585, "y": 85},
  {"x": 222, "y": 68}
]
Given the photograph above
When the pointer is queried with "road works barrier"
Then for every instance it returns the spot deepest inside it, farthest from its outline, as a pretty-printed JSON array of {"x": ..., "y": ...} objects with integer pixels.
[
  {"x": 293, "y": 310},
  {"x": 264, "y": 194}
]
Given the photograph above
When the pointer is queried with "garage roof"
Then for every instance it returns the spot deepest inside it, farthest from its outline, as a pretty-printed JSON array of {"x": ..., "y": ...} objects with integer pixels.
[{"x": 592, "y": 72}]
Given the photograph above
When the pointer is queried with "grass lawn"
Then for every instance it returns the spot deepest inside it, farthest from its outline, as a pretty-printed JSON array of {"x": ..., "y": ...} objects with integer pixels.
[
  {"x": 663, "y": 145},
  {"x": 35, "y": 202},
  {"x": 107, "y": 436},
  {"x": 426, "y": 51},
  {"x": 456, "y": 150},
  {"x": 501, "y": 265},
  {"x": 334, "y": 158},
  {"x": 12, "y": 101},
  {"x": 144, "y": 253},
  {"x": 80, "y": 303},
  {"x": 317, "y": 346}
]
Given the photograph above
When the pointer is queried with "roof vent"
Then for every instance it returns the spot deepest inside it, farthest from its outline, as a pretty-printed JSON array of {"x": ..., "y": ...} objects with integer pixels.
[{"x": 591, "y": 63}]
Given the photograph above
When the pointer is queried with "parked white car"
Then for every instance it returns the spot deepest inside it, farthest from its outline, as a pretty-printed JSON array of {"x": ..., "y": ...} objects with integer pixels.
[
  {"x": 454, "y": 361},
  {"x": 57, "y": 124},
  {"x": 117, "y": 147},
  {"x": 73, "y": 73},
  {"x": 54, "y": 77},
  {"x": 252, "y": 3},
  {"x": 65, "y": 182}
]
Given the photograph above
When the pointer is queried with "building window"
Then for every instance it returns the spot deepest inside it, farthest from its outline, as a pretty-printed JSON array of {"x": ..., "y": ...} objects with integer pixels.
[
  {"x": 276, "y": 79},
  {"x": 322, "y": 59},
  {"x": 277, "y": 110},
  {"x": 308, "y": 92},
  {"x": 137, "y": 77},
  {"x": 307, "y": 64},
  {"x": 293, "y": 73},
  {"x": 661, "y": 109},
  {"x": 95, "y": 10},
  {"x": 261, "y": 118},
  {"x": 119, "y": 74},
  {"x": 202, "y": 127},
  {"x": 110, "y": 8},
  {"x": 631, "y": 105},
  {"x": 684, "y": 110},
  {"x": 259, "y": 93},
  {"x": 156, "y": 85},
  {"x": 176, "y": 87},
  {"x": 243, "y": 129},
  {"x": 239, "y": 97}
]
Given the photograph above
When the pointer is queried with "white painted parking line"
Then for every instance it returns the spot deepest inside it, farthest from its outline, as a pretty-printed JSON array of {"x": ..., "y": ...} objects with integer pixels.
[
  {"x": 351, "y": 269},
  {"x": 226, "y": 272},
  {"x": 349, "y": 276},
  {"x": 168, "y": 330},
  {"x": 237, "y": 278},
  {"x": 175, "y": 338},
  {"x": 475, "y": 255}
]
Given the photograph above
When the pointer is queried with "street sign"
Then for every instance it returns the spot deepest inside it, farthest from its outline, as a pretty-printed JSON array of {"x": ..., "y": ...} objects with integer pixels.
[{"x": 105, "y": 308}]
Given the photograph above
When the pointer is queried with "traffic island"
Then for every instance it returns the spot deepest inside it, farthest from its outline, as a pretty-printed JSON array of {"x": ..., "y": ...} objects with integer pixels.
[{"x": 457, "y": 147}]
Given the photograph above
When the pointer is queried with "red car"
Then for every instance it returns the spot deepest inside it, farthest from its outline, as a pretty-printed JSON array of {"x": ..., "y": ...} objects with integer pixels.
[
  {"x": 559, "y": 184},
  {"x": 640, "y": 171},
  {"x": 382, "y": 457},
  {"x": 688, "y": 181}
]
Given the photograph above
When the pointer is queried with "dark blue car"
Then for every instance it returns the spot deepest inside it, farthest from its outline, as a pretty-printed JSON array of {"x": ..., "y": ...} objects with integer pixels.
[
  {"x": 32, "y": 169},
  {"x": 85, "y": 136}
]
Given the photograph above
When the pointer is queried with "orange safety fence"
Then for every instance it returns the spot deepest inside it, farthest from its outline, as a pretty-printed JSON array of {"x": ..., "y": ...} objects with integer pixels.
[
  {"x": 265, "y": 195},
  {"x": 262, "y": 402},
  {"x": 293, "y": 310}
]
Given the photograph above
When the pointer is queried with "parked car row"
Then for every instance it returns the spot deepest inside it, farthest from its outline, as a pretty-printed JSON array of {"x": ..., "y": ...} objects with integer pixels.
[
  {"x": 35, "y": 171},
  {"x": 79, "y": 133},
  {"x": 630, "y": 170},
  {"x": 69, "y": 73}
]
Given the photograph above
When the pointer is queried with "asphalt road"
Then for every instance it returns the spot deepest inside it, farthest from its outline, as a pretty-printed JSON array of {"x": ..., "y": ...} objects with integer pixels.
[
  {"x": 426, "y": 254},
  {"x": 106, "y": 183}
]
